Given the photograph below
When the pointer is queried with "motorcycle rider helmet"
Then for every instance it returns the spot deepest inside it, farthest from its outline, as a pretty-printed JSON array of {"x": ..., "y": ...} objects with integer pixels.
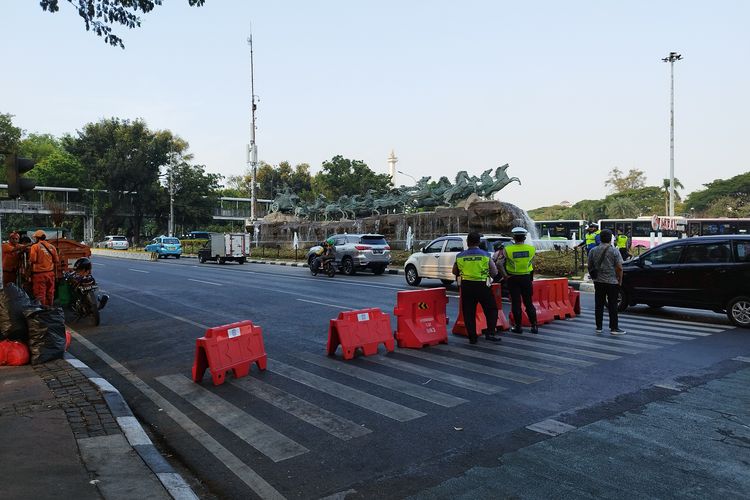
[
  {"x": 330, "y": 241},
  {"x": 82, "y": 264}
]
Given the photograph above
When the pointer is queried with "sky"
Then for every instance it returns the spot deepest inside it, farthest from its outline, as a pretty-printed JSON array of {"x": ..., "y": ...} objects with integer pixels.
[{"x": 562, "y": 91}]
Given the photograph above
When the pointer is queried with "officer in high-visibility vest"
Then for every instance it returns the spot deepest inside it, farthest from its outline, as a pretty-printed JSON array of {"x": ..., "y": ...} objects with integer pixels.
[
  {"x": 623, "y": 244},
  {"x": 592, "y": 237},
  {"x": 474, "y": 267},
  {"x": 518, "y": 271}
]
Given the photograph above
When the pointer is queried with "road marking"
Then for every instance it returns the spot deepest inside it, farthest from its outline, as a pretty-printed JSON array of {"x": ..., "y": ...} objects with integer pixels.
[
  {"x": 429, "y": 373},
  {"x": 544, "y": 339},
  {"x": 327, "y": 305},
  {"x": 206, "y": 282},
  {"x": 173, "y": 316},
  {"x": 472, "y": 367},
  {"x": 139, "y": 271},
  {"x": 707, "y": 326},
  {"x": 550, "y": 427},
  {"x": 744, "y": 359},
  {"x": 263, "y": 438},
  {"x": 605, "y": 341},
  {"x": 475, "y": 353},
  {"x": 633, "y": 338},
  {"x": 540, "y": 355},
  {"x": 346, "y": 393},
  {"x": 314, "y": 415},
  {"x": 416, "y": 391},
  {"x": 507, "y": 339},
  {"x": 247, "y": 475}
]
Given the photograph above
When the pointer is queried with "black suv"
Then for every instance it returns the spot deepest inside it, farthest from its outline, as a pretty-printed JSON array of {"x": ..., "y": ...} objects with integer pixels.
[{"x": 705, "y": 272}]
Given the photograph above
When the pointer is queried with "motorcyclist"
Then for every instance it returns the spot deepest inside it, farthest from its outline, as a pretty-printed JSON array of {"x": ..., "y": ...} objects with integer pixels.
[
  {"x": 80, "y": 275},
  {"x": 326, "y": 252}
]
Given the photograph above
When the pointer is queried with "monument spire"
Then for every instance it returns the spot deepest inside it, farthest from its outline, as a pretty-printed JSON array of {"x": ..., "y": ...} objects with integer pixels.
[{"x": 392, "y": 167}]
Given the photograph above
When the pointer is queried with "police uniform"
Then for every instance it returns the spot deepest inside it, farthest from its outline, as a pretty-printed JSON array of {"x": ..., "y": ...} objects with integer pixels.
[
  {"x": 622, "y": 246},
  {"x": 475, "y": 267},
  {"x": 592, "y": 239},
  {"x": 518, "y": 268}
]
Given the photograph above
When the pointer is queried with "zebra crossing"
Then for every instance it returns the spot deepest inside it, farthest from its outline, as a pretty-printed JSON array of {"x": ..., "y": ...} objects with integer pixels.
[{"x": 355, "y": 400}]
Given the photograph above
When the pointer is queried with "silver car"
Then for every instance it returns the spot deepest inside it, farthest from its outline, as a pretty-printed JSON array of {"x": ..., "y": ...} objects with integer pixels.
[{"x": 355, "y": 252}]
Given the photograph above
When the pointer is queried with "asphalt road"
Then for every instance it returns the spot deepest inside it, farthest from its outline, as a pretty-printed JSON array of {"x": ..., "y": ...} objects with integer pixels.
[{"x": 384, "y": 426}]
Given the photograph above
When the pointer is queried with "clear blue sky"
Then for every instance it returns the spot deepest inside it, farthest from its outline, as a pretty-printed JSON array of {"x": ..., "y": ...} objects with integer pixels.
[{"x": 563, "y": 91}]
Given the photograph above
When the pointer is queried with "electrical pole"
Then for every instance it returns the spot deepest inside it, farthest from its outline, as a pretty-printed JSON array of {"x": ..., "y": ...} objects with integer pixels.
[
  {"x": 671, "y": 58},
  {"x": 252, "y": 149}
]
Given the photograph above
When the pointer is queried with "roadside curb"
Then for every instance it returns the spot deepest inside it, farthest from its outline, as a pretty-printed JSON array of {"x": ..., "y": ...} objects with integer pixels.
[
  {"x": 302, "y": 264},
  {"x": 134, "y": 432}
]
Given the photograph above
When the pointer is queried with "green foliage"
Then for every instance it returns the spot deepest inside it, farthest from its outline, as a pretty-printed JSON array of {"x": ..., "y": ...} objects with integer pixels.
[
  {"x": 619, "y": 182},
  {"x": 554, "y": 212},
  {"x": 272, "y": 180},
  {"x": 99, "y": 15},
  {"x": 38, "y": 146},
  {"x": 10, "y": 135},
  {"x": 560, "y": 263},
  {"x": 59, "y": 168},
  {"x": 341, "y": 176},
  {"x": 703, "y": 201}
]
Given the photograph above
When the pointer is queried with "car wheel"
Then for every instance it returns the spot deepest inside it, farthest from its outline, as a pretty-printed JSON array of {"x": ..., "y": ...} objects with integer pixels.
[
  {"x": 177, "y": 256},
  {"x": 738, "y": 311},
  {"x": 622, "y": 300},
  {"x": 446, "y": 282},
  {"x": 347, "y": 266},
  {"x": 412, "y": 277},
  {"x": 377, "y": 270},
  {"x": 201, "y": 260},
  {"x": 241, "y": 261},
  {"x": 221, "y": 259}
]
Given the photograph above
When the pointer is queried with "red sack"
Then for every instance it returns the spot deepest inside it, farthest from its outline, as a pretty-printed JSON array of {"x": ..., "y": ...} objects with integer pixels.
[{"x": 13, "y": 353}]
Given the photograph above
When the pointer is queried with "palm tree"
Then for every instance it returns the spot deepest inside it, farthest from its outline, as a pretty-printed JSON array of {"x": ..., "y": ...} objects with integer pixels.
[
  {"x": 665, "y": 190},
  {"x": 621, "y": 208}
]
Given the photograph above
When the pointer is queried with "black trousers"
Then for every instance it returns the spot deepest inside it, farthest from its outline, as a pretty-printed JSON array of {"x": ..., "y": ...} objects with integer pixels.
[
  {"x": 608, "y": 292},
  {"x": 473, "y": 293},
  {"x": 521, "y": 289}
]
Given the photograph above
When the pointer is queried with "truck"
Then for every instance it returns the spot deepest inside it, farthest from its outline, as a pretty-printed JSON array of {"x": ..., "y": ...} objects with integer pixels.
[{"x": 224, "y": 247}]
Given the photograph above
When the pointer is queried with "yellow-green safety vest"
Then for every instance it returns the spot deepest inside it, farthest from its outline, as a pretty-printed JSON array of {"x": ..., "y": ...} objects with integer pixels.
[
  {"x": 473, "y": 266},
  {"x": 518, "y": 258},
  {"x": 591, "y": 238},
  {"x": 622, "y": 241}
]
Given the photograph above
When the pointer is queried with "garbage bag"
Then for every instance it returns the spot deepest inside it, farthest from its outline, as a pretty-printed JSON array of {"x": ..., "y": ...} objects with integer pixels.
[
  {"x": 13, "y": 302},
  {"x": 13, "y": 353},
  {"x": 46, "y": 333}
]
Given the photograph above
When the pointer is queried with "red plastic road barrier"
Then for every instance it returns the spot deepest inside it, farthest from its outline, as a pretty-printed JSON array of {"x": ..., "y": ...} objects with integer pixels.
[
  {"x": 459, "y": 328},
  {"x": 574, "y": 297},
  {"x": 364, "y": 329},
  {"x": 559, "y": 298},
  {"x": 540, "y": 298},
  {"x": 421, "y": 318},
  {"x": 234, "y": 347}
]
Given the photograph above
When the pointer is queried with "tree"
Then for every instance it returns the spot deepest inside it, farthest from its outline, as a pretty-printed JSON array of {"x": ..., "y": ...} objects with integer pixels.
[
  {"x": 100, "y": 15},
  {"x": 341, "y": 176},
  {"x": 619, "y": 182},
  {"x": 60, "y": 169},
  {"x": 737, "y": 187},
  {"x": 665, "y": 190},
  {"x": 195, "y": 196},
  {"x": 729, "y": 206},
  {"x": 10, "y": 135},
  {"x": 621, "y": 208}
]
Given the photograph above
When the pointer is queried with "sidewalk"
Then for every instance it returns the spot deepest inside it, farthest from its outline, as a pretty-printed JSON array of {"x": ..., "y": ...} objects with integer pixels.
[{"x": 67, "y": 433}]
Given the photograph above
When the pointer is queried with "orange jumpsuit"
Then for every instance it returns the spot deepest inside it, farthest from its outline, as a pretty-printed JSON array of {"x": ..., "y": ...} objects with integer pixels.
[
  {"x": 44, "y": 261},
  {"x": 11, "y": 262}
]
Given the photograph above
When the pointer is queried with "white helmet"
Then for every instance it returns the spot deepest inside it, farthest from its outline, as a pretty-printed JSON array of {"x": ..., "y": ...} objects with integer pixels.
[{"x": 519, "y": 230}]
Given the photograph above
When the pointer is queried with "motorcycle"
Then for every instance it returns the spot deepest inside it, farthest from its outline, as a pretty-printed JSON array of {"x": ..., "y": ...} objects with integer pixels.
[
  {"x": 326, "y": 267},
  {"x": 84, "y": 301}
]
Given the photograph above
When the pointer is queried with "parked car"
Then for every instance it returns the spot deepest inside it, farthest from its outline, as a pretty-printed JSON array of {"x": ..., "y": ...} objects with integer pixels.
[
  {"x": 165, "y": 246},
  {"x": 436, "y": 259},
  {"x": 704, "y": 272},
  {"x": 355, "y": 252},
  {"x": 114, "y": 242}
]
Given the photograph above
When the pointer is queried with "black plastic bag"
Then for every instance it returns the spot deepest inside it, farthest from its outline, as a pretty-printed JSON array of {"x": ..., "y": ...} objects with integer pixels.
[
  {"x": 13, "y": 302},
  {"x": 46, "y": 334}
]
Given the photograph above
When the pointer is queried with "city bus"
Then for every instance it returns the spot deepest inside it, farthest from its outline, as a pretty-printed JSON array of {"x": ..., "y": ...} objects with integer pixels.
[
  {"x": 641, "y": 229},
  {"x": 560, "y": 229},
  {"x": 720, "y": 225}
]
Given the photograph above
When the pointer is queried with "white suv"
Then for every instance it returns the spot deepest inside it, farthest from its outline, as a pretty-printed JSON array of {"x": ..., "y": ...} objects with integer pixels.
[
  {"x": 115, "y": 243},
  {"x": 436, "y": 259}
]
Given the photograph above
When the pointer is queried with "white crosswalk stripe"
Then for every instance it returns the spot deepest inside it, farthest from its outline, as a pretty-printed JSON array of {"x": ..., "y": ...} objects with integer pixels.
[
  {"x": 474, "y": 353},
  {"x": 472, "y": 367}
]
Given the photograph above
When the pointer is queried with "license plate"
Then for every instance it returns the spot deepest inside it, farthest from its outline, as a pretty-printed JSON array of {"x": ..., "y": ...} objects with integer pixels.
[{"x": 377, "y": 252}]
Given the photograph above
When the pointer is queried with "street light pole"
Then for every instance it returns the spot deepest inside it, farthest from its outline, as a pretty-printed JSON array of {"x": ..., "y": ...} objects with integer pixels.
[
  {"x": 671, "y": 58},
  {"x": 171, "y": 201},
  {"x": 252, "y": 151},
  {"x": 412, "y": 177}
]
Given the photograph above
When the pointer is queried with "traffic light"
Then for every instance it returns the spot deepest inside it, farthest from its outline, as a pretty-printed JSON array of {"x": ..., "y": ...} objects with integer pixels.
[{"x": 15, "y": 167}]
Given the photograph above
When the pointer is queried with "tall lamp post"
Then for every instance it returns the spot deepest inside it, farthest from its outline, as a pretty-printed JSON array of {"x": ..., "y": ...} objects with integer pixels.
[
  {"x": 412, "y": 177},
  {"x": 671, "y": 58}
]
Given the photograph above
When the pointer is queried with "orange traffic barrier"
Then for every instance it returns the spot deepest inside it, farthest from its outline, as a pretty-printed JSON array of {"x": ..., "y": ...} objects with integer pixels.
[
  {"x": 551, "y": 300},
  {"x": 574, "y": 297},
  {"x": 421, "y": 318},
  {"x": 234, "y": 347},
  {"x": 364, "y": 329},
  {"x": 540, "y": 299},
  {"x": 459, "y": 327}
]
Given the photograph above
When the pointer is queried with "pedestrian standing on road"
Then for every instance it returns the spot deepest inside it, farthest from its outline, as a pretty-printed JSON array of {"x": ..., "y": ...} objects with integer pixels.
[
  {"x": 474, "y": 269},
  {"x": 623, "y": 244},
  {"x": 12, "y": 253},
  {"x": 519, "y": 275},
  {"x": 606, "y": 263},
  {"x": 44, "y": 262}
]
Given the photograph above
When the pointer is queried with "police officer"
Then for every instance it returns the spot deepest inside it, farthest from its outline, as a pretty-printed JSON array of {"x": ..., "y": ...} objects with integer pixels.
[
  {"x": 623, "y": 244},
  {"x": 518, "y": 270},
  {"x": 592, "y": 238},
  {"x": 474, "y": 267}
]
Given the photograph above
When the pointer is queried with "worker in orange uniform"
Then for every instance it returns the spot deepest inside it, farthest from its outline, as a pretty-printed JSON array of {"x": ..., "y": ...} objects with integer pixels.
[
  {"x": 44, "y": 261},
  {"x": 12, "y": 251}
]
